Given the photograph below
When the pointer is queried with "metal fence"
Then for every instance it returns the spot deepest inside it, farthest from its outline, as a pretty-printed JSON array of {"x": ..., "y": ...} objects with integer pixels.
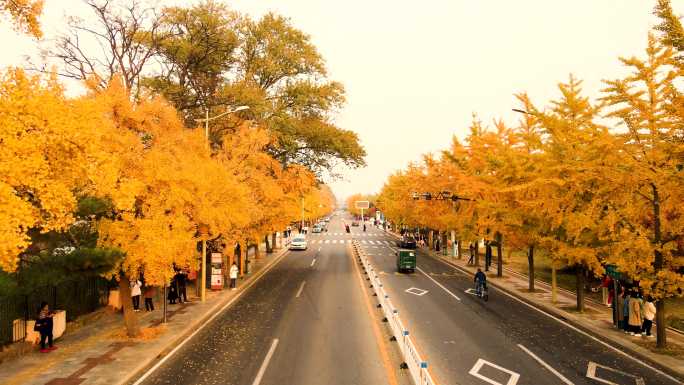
[
  {"x": 76, "y": 297},
  {"x": 417, "y": 367}
]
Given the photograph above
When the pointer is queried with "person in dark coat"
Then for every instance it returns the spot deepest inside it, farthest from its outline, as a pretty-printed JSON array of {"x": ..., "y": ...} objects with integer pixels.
[
  {"x": 44, "y": 326},
  {"x": 172, "y": 296},
  {"x": 181, "y": 282}
]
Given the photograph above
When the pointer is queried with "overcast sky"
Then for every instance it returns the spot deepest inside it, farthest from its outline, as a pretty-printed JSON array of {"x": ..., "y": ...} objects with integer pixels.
[{"x": 415, "y": 72}]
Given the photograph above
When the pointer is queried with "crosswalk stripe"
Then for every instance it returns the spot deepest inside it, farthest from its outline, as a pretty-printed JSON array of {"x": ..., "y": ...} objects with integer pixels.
[
  {"x": 363, "y": 241},
  {"x": 334, "y": 241}
]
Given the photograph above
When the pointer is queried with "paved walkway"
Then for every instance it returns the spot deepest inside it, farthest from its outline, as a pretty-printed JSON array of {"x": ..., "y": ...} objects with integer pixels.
[
  {"x": 101, "y": 354},
  {"x": 597, "y": 319}
]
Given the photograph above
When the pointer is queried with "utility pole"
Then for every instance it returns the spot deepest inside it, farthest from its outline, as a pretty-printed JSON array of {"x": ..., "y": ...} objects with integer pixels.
[{"x": 203, "y": 230}]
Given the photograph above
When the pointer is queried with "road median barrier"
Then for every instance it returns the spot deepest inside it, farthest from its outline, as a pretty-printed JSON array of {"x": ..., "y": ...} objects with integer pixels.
[{"x": 413, "y": 362}]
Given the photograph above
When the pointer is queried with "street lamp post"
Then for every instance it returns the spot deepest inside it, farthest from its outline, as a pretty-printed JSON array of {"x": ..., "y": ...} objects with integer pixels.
[
  {"x": 207, "y": 118},
  {"x": 203, "y": 230}
]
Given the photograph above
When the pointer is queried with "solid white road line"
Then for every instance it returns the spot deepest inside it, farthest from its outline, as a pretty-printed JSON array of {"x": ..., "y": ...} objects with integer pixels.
[
  {"x": 215, "y": 314},
  {"x": 437, "y": 283},
  {"x": 264, "y": 365},
  {"x": 547, "y": 366},
  {"x": 301, "y": 287},
  {"x": 313, "y": 262}
]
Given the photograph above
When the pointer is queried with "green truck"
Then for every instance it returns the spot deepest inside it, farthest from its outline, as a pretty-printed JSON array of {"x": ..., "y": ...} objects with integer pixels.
[{"x": 406, "y": 260}]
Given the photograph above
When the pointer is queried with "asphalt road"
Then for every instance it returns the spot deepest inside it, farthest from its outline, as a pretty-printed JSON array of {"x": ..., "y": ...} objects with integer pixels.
[
  {"x": 307, "y": 321},
  {"x": 503, "y": 341}
]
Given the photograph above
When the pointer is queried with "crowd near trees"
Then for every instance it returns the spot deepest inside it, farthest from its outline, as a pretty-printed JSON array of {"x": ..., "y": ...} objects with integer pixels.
[
  {"x": 593, "y": 182},
  {"x": 122, "y": 180}
]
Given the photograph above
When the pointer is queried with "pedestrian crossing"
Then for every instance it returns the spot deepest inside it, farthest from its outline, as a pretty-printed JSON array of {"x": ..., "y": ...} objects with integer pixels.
[
  {"x": 347, "y": 234},
  {"x": 344, "y": 241}
]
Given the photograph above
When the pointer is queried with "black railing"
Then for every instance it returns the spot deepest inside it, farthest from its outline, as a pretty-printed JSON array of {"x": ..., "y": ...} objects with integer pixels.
[{"x": 76, "y": 297}]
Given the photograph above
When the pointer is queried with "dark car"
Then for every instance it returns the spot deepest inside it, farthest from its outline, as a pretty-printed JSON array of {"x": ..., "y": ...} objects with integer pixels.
[{"x": 407, "y": 242}]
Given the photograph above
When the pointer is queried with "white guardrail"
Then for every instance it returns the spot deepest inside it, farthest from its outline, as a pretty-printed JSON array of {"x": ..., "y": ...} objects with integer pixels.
[{"x": 416, "y": 366}]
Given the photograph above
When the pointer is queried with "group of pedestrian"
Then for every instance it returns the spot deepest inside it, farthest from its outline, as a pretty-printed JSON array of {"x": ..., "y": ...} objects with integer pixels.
[
  {"x": 635, "y": 313},
  {"x": 138, "y": 289}
]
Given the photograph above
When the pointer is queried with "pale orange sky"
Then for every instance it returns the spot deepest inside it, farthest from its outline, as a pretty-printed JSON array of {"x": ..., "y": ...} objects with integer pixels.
[{"x": 416, "y": 71}]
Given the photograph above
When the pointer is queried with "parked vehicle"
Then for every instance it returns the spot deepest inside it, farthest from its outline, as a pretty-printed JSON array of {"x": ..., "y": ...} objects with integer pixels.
[
  {"x": 298, "y": 243},
  {"x": 407, "y": 242},
  {"x": 406, "y": 260},
  {"x": 316, "y": 229},
  {"x": 355, "y": 223}
]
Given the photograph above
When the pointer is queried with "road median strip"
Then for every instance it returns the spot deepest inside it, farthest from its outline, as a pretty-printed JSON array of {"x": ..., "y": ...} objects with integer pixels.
[{"x": 417, "y": 367}]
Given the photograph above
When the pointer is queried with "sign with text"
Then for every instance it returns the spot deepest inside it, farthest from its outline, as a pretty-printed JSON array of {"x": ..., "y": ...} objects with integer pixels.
[{"x": 362, "y": 205}]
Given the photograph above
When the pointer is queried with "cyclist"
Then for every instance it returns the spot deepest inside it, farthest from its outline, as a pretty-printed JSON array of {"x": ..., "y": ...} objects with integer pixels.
[{"x": 480, "y": 282}]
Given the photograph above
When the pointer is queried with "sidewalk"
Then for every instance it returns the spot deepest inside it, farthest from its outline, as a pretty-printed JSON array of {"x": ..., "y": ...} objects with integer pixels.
[
  {"x": 597, "y": 319},
  {"x": 101, "y": 354}
]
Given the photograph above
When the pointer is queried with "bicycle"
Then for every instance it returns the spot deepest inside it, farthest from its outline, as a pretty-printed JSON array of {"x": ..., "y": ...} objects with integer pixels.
[{"x": 481, "y": 290}]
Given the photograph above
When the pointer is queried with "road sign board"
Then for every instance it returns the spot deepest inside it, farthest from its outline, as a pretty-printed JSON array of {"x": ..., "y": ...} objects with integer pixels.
[{"x": 362, "y": 204}]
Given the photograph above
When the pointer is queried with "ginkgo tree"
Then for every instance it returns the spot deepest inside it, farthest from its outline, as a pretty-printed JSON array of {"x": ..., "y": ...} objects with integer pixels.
[
  {"x": 591, "y": 194},
  {"x": 647, "y": 206}
]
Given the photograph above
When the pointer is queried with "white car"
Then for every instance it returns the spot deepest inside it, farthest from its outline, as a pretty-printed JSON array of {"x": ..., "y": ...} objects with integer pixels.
[{"x": 298, "y": 243}]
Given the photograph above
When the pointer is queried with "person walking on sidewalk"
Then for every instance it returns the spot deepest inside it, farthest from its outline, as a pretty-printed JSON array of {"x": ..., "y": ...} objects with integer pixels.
[
  {"x": 635, "y": 321},
  {"x": 44, "y": 326},
  {"x": 649, "y": 315},
  {"x": 135, "y": 294},
  {"x": 149, "y": 294},
  {"x": 181, "y": 282},
  {"x": 472, "y": 254},
  {"x": 233, "y": 276}
]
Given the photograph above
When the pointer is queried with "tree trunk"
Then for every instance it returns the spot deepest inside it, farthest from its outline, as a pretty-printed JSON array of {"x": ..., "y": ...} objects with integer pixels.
[
  {"x": 580, "y": 288},
  {"x": 274, "y": 239},
  {"x": 530, "y": 268},
  {"x": 477, "y": 254},
  {"x": 661, "y": 327},
  {"x": 499, "y": 256},
  {"x": 554, "y": 283},
  {"x": 488, "y": 255},
  {"x": 661, "y": 324},
  {"x": 129, "y": 316},
  {"x": 460, "y": 250}
]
